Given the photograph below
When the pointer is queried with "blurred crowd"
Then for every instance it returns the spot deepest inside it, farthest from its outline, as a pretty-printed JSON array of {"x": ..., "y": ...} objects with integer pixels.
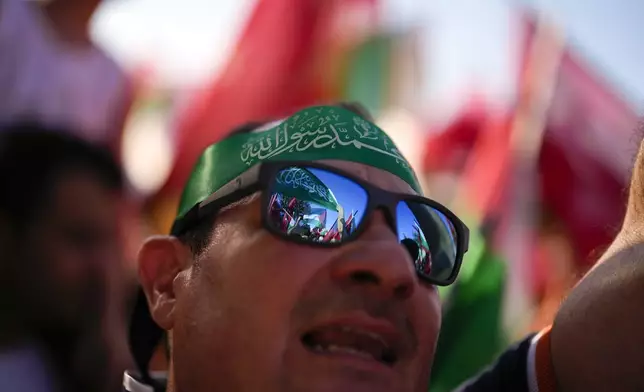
[
  {"x": 64, "y": 291},
  {"x": 71, "y": 221}
]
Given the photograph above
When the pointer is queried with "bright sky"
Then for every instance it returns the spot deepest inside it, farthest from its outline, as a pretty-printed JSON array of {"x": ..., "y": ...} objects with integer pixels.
[{"x": 464, "y": 42}]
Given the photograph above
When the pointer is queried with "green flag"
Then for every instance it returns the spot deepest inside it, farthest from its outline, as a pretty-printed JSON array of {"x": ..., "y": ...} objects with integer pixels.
[
  {"x": 472, "y": 332},
  {"x": 368, "y": 73},
  {"x": 300, "y": 183}
]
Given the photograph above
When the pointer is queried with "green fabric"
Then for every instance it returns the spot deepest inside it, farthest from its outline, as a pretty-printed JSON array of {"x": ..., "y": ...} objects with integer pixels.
[
  {"x": 316, "y": 133},
  {"x": 368, "y": 73},
  {"x": 472, "y": 333},
  {"x": 303, "y": 185}
]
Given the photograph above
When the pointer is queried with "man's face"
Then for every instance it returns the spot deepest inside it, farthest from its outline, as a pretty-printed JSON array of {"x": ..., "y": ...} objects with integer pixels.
[
  {"x": 71, "y": 251},
  {"x": 256, "y": 313}
]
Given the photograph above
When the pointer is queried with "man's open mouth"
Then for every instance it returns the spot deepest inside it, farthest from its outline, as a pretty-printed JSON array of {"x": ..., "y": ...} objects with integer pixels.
[{"x": 351, "y": 340}]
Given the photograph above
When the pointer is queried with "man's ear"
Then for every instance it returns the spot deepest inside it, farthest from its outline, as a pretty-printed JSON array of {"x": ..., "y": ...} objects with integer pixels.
[{"x": 160, "y": 259}]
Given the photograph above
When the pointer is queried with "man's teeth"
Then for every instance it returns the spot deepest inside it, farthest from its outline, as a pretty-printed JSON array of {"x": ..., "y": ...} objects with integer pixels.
[
  {"x": 372, "y": 335},
  {"x": 332, "y": 348}
]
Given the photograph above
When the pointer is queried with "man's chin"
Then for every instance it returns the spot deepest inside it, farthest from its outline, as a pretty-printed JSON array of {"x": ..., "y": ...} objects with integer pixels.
[{"x": 330, "y": 382}]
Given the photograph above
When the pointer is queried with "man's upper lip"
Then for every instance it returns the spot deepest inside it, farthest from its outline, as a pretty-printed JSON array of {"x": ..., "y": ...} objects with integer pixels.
[{"x": 360, "y": 321}]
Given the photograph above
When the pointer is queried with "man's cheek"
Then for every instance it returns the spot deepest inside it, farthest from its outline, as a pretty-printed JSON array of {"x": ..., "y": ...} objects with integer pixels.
[
  {"x": 263, "y": 301},
  {"x": 249, "y": 332},
  {"x": 425, "y": 356},
  {"x": 280, "y": 271},
  {"x": 427, "y": 320}
]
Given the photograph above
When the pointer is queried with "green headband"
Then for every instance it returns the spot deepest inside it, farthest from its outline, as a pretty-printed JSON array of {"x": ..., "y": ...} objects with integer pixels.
[{"x": 316, "y": 133}]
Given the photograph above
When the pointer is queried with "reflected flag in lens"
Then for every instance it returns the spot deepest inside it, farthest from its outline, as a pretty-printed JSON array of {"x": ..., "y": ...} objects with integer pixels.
[{"x": 325, "y": 207}]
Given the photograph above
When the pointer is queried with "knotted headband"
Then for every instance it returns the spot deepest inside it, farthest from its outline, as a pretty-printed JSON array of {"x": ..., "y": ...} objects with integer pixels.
[{"x": 315, "y": 133}]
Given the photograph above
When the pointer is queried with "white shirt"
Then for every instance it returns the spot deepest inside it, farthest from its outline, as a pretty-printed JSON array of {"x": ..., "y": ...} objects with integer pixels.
[{"x": 60, "y": 85}]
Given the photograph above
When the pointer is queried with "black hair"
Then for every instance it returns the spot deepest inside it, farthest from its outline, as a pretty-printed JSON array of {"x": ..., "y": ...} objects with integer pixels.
[{"x": 33, "y": 157}]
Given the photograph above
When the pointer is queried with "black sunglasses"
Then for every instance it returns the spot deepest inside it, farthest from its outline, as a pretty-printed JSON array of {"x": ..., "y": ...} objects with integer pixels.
[{"x": 319, "y": 205}]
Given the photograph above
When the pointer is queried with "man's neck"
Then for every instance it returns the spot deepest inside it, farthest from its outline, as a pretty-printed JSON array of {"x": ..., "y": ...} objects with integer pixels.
[{"x": 70, "y": 20}]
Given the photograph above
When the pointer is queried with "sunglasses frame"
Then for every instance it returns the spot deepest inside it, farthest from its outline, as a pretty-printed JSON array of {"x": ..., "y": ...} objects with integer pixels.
[{"x": 261, "y": 178}]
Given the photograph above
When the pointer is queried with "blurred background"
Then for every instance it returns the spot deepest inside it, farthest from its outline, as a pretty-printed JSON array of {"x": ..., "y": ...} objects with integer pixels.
[{"x": 520, "y": 115}]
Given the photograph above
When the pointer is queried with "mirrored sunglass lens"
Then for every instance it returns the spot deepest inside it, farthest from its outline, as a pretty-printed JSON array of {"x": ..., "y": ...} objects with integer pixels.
[
  {"x": 430, "y": 239},
  {"x": 314, "y": 204}
]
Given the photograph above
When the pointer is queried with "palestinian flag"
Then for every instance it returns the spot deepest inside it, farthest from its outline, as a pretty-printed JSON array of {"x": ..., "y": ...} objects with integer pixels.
[{"x": 317, "y": 218}]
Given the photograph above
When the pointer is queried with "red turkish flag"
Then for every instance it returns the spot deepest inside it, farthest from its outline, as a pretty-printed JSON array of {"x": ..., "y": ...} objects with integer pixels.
[
  {"x": 587, "y": 153},
  {"x": 585, "y": 158},
  {"x": 279, "y": 66}
]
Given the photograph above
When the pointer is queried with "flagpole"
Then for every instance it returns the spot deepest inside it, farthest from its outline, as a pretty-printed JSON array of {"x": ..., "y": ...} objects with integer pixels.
[{"x": 536, "y": 91}]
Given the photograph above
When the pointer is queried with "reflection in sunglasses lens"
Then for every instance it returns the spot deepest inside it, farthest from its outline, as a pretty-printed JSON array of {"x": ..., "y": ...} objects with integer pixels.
[
  {"x": 315, "y": 204},
  {"x": 430, "y": 238}
]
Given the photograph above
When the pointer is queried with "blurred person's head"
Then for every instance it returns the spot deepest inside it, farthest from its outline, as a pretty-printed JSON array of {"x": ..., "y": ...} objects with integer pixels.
[
  {"x": 70, "y": 19},
  {"x": 608, "y": 303},
  {"x": 59, "y": 207},
  {"x": 251, "y": 302},
  {"x": 71, "y": 4}
]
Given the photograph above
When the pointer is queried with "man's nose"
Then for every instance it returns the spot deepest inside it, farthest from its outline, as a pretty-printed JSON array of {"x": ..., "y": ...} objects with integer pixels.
[{"x": 376, "y": 261}]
